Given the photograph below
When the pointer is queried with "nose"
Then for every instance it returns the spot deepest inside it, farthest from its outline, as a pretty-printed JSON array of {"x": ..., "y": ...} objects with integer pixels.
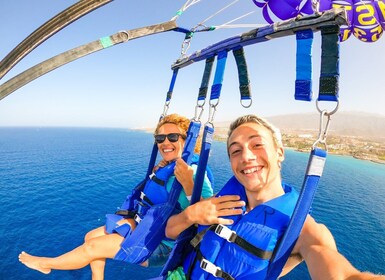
[{"x": 248, "y": 155}]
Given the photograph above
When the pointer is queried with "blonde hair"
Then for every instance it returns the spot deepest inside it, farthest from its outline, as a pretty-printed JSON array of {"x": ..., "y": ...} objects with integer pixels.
[
  {"x": 182, "y": 123},
  {"x": 277, "y": 137}
]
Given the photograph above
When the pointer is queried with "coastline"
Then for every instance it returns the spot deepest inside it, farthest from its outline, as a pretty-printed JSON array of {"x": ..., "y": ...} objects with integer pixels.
[
  {"x": 338, "y": 145},
  {"x": 301, "y": 145},
  {"x": 359, "y": 157}
]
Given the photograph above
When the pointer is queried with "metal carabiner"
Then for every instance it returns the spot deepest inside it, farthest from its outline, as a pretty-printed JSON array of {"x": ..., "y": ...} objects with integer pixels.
[
  {"x": 186, "y": 43},
  {"x": 323, "y": 130},
  {"x": 198, "y": 112},
  {"x": 165, "y": 108},
  {"x": 212, "y": 111}
]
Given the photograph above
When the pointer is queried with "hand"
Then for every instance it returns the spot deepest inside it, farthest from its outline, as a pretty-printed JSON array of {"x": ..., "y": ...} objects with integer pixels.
[
  {"x": 209, "y": 211},
  {"x": 184, "y": 174},
  {"x": 161, "y": 163}
]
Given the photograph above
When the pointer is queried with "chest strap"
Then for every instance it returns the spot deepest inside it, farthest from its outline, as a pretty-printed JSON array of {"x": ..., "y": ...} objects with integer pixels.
[
  {"x": 138, "y": 213},
  {"x": 232, "y": 237},
  {"x": 211, "y": 268},
  {"x": 146, "y": 199},
  {"x": 127, "y": 214},
  {"x": 157, "y": 180}
]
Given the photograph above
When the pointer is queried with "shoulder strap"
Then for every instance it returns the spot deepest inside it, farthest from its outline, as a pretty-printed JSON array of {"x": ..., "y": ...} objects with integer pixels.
[
  {"x": 303, "y": 82},
  {"x": 243, "y": 75},
  {"x": 329, "y": 86},
  {"x": 282, "y": 251},
  {"x": 182, "y": 246}
]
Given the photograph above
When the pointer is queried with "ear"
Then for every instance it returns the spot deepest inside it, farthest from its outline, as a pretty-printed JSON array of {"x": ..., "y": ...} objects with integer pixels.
[{"x": 280, "y": 154}]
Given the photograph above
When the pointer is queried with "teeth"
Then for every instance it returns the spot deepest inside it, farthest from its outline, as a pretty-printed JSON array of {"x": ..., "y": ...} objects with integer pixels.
[
  {"x": 250, "y": 170},
  {"x": 167, "y": 150}
]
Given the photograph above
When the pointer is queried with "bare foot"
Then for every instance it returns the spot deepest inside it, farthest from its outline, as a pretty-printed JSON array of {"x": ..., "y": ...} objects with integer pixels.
[{"x": 33, "y": 262}]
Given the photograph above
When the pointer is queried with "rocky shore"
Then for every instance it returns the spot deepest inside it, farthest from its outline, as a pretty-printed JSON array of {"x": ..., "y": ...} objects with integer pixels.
[{"x": 357, "y": 147}]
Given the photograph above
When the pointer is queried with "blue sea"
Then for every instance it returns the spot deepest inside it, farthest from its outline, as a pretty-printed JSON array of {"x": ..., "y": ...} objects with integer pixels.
[{"x": 58, "y": 183}]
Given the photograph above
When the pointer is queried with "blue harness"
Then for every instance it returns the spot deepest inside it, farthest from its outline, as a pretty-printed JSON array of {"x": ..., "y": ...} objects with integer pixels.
[
  {"x": 249, "y": 242},
  {"x": 137, "y": 204}
]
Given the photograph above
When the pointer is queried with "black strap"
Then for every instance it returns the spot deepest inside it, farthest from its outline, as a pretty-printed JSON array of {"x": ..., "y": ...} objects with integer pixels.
[
  {"x": 206, "y": 78},
  {"x": 208, "y": 267},
  {"x": 146, "y": 199},
  {"x": 244, "y": 244},
  {"x": 157, "y": 180},
  {"x": 233, "y": 238},
  {"x": 126, "y": 213},
  {"x": 199, "y": 236},
  {"x": 243, "y": 75},
  {"x": 329, "y": 80}
]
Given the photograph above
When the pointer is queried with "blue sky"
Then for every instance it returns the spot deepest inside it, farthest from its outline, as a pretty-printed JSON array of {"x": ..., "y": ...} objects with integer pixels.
[{"x": 125, "y": 86}]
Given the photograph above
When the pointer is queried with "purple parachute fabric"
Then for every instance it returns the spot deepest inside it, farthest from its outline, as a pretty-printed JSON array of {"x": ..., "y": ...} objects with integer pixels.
[
  {"x": 366, "y": 17},
  {"x": 282, "y": 9}
]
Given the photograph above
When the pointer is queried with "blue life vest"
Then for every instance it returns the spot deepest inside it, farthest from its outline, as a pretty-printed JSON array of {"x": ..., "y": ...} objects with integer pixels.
[
  {"x": 155, "y": 188},
  {"x": 139, "y": 244},
  {"x": 241, "y": 250},
  {"x": 137, "y": 204},
  {"x": 155, "y": 191}
]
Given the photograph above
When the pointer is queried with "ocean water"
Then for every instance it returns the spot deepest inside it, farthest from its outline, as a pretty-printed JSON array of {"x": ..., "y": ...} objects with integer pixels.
[{"x": 58, "y": 183}]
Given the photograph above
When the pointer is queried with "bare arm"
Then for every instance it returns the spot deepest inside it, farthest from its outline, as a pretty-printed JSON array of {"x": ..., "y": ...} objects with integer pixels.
[
  {"x": 317, "y": 246},
  {"x": 205, "y": 212},
  {"x": 325, "y": 263}
]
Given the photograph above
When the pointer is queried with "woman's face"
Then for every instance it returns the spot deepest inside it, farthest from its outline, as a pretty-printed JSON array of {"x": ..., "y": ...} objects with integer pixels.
[{"x": 170, "y": 150}]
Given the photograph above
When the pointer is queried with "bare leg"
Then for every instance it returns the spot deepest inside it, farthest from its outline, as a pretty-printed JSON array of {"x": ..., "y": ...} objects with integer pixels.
[
  {"x": 105, "y": 246},
  {"x": 97, "y": 266}
]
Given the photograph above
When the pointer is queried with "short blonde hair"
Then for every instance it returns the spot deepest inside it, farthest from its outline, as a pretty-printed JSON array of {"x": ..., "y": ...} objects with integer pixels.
[
  {"x": 277, "y": 137},
  {"x": 182, "y": 123}
]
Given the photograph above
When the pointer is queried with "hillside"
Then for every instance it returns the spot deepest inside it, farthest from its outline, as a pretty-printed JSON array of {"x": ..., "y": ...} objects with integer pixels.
[
  {"x": 361, "y": 135},
  {"x": 356, "y": 124}
]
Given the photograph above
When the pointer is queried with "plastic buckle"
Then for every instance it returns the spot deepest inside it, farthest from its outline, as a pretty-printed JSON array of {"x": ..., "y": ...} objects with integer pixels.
[
  {"x": 142, "y": 195},
  {"x": 137, "y": 218},
  {"x": 225, "y": 233},
  {"x": 209, "y": 267}
]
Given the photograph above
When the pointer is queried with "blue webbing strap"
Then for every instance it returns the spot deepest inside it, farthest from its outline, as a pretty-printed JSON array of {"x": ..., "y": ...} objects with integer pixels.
[
  {"x": 218, "y": 78},
  {"x": 244, "y": 81},
  {"x": 192, "y": 135},
  {"x": 172, "y": 84},
  {"x": 151, "y": 163},
  {"x": 206, "y": 78},
  {"x": 207, "y": 140},
  {"x": 303, "y": 82},
  {"x": 328, "y": 88},
  {"x": 282, "y": 252},
  {"x": 154, "y": 152},
  {"x": 182, "y": 247}
]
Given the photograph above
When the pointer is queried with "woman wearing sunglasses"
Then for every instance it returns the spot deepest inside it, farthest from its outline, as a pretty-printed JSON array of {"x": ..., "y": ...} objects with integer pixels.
[{"x": 102, "y": 242}]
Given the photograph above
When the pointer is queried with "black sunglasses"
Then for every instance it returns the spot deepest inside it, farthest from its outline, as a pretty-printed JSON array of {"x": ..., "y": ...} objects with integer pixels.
[{"x": 172, "y": 137}]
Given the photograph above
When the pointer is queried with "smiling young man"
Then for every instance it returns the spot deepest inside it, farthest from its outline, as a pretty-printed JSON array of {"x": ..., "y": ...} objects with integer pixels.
[{"x": 239, "y": 229}]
